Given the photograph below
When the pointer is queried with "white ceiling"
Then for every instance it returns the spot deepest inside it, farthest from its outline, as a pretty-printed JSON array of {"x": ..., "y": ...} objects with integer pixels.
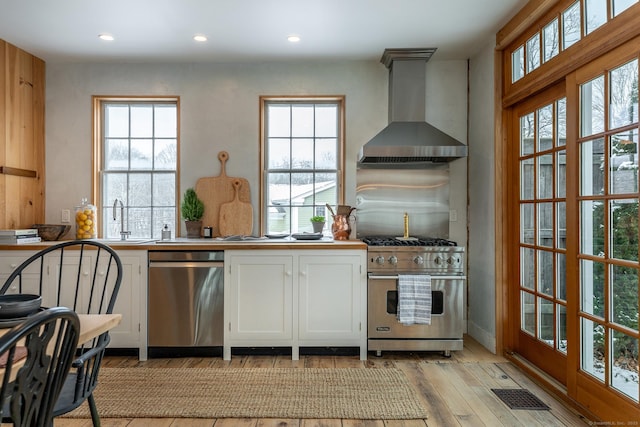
[{"x": 248, "y": 30}]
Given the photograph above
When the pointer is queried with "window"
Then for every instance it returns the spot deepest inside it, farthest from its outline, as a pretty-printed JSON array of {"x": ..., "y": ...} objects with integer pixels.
[
  {"x": 595, "y": 14},
  {"x": 620, "y": 6},
  {"x": 571, "y": 25},
  {"x": 302, "y": 161},
  {"x": 533, "y": 53},
  {"x": 136, "y": 161},
  {"x": 550, "y": 40}
]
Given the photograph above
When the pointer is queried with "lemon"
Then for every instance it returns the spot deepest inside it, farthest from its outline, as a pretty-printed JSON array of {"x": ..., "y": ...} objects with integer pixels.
[{"x": 88, "y": 221}]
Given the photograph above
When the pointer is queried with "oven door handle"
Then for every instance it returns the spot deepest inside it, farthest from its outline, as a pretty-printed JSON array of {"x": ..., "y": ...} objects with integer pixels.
[{"x": 433, "y": 276}]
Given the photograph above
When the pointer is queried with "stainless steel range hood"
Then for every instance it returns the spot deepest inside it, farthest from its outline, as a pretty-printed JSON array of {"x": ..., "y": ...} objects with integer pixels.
[{"x": 408, "y": 139}]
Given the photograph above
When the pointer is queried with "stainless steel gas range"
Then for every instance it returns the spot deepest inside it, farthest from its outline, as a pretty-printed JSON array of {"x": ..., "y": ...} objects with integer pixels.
[{"x": 443, "y": 261}]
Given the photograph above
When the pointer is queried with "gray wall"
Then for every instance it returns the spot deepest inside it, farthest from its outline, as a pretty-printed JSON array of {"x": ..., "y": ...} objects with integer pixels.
[
  {"x": 481, "y": 249},
  {"x": 220, "y": 110}
]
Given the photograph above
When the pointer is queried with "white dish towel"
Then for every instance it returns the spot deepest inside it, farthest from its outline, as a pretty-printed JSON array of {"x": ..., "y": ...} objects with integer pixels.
[{"x": 414, "y": 299}]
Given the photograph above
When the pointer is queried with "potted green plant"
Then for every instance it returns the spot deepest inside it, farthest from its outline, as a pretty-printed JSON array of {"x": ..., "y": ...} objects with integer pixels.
[
  {"x": 192, "y": 209},
  {"x": 318, "y": 223}
]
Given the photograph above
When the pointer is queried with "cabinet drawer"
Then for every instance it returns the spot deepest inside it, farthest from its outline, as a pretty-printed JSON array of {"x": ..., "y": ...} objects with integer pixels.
[{"x": 9, "y": 263}]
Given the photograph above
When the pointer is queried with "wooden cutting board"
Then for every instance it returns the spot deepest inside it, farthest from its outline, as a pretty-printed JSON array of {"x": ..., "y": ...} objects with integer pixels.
[
  {"x": 236, "y": 217},
  {"x": 216, "y": 190}
]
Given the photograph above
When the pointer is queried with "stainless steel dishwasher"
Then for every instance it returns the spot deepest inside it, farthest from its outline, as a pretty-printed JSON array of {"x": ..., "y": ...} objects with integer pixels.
[{"x": 185, "y": 306}]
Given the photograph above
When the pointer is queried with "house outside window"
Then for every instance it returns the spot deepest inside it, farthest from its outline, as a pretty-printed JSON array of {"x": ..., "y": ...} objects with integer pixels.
[
  {"x": 136, "y": 162},
  {"x": 302, "y": 161}
]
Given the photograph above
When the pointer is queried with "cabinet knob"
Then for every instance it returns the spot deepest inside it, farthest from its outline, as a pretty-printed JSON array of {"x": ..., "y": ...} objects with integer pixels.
[
  {"x": 14, "y": 265},
  {"x": 288, "y": 273}
]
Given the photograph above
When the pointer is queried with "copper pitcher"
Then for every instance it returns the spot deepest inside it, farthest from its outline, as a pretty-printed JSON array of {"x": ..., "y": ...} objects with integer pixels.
[{"x": 341, "y": 228}]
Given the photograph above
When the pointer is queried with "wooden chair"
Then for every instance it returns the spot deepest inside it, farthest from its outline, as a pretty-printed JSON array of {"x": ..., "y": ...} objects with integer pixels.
[
  {"x": 85, "y": 276},
  {"x": 35, "y": 358}
]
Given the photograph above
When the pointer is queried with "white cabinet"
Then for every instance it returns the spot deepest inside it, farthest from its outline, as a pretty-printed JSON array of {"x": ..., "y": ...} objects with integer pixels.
[
  {"x": 258, "y": 298},
  {"x": 287, "y": 298},
  {"x": 331, "y": 299},
  {"x": 131, "y": 301},
  {"x": 9, "y": 261},
  {"x": 129, "y": 333}
]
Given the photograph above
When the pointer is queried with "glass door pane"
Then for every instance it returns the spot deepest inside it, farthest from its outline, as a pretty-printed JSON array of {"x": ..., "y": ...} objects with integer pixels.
[
  {"x": 608, "y": 215},
  {"x": 543, "y": 227}
]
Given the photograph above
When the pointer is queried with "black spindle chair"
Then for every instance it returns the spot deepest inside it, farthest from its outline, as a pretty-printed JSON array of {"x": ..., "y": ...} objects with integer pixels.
[
  {"x": 85, "y": 276},
  {"x": 35, "y": 358}
]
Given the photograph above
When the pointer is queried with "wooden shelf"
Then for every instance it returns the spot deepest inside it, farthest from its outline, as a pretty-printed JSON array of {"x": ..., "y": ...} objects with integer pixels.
[{"x": 6, "y": 170}]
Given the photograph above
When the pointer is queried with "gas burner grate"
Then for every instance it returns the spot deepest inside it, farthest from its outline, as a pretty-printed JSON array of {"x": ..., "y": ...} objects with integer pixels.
[{"x": 394, "y": 241}]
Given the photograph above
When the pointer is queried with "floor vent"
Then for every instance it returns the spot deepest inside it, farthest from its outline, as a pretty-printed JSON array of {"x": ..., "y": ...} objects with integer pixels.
[{"x": 519, "y": 399}]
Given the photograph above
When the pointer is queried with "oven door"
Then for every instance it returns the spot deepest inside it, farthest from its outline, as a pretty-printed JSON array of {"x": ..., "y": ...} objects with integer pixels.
[{"x": 446, "y": 309}]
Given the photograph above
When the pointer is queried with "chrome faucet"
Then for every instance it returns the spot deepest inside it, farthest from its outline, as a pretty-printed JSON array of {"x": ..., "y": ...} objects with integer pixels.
[{"x": 123, "y": 234}]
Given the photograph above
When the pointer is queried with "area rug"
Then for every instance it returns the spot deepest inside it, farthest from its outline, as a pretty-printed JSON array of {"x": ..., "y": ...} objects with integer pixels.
[{"x": 353, "y": 393}]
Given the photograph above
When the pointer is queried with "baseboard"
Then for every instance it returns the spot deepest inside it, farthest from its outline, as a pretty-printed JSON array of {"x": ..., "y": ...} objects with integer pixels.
[{"x": 484, "y": 338}]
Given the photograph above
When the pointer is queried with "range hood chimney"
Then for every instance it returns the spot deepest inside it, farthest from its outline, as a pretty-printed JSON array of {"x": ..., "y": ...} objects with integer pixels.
[{"x": 408, "y": 139}]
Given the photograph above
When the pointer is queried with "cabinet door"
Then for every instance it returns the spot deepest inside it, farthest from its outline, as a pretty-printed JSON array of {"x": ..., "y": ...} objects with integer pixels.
[
  {"x": 330, "y": 299},
  {"x": 260, "y": 296},
  {"x": 127, "y": 333},
  {"x": 9, "y": 261}
]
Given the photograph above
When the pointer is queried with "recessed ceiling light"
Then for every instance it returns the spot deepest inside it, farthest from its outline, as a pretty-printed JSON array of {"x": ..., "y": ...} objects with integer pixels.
[
  {"x": 293, "y": 38},
  {"x": 200, "y": 38},
  {"x": 106, "y": 37}
]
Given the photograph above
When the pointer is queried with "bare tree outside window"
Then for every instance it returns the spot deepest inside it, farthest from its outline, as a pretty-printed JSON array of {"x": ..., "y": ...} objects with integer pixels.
[
  {"x": 533, "y": 53},
  {"x": 550, "y": 40},
  {"x": 595, "y": 14},
  {"x": 571, "y": 25},
  {"x": 139, "y": 146}
]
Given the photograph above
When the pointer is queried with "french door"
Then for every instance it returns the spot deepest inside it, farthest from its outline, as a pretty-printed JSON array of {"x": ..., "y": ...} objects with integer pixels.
[
  {"x": 607, "y": 220},
  {"x": 574, "y": 287},
  {"x": 541, "y": 291}
]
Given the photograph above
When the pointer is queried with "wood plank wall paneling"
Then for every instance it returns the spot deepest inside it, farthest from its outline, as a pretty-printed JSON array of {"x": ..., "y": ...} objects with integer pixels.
[
  {"x": 3, "y": 130},
  {"x": 22, "y": 97}
]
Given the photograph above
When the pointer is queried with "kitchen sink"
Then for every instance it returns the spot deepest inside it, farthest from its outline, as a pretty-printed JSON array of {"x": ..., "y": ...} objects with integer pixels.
[{"x": 126, "y": 242}]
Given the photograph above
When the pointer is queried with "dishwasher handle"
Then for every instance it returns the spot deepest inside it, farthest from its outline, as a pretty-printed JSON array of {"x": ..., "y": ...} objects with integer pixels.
[{"x": 192, "y": 264}]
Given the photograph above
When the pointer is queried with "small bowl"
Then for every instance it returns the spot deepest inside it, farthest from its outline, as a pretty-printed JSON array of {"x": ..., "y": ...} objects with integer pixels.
[
  {"x": 51, "y": 232},
  {"x": 19, "y": 305}
]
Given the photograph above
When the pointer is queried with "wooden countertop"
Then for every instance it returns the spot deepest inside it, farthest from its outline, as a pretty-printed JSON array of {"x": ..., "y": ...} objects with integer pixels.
[{"x": 209, "y": 244}]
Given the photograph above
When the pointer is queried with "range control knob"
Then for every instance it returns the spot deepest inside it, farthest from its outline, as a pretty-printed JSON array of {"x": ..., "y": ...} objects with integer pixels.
[
  {"x": 418, "y": 260},
  {"x": 437, "y": 260},
  {"x": 380, "y": 260},
  {"x": 393, "y": 260}
]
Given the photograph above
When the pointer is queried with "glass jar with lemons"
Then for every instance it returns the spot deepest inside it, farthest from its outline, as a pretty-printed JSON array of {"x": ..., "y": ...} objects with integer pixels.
[{"x": 86, "y": 220}]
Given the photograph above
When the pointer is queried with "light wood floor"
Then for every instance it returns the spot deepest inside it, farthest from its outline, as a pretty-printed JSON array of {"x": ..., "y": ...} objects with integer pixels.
[{"x": 455, "y": 391}]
